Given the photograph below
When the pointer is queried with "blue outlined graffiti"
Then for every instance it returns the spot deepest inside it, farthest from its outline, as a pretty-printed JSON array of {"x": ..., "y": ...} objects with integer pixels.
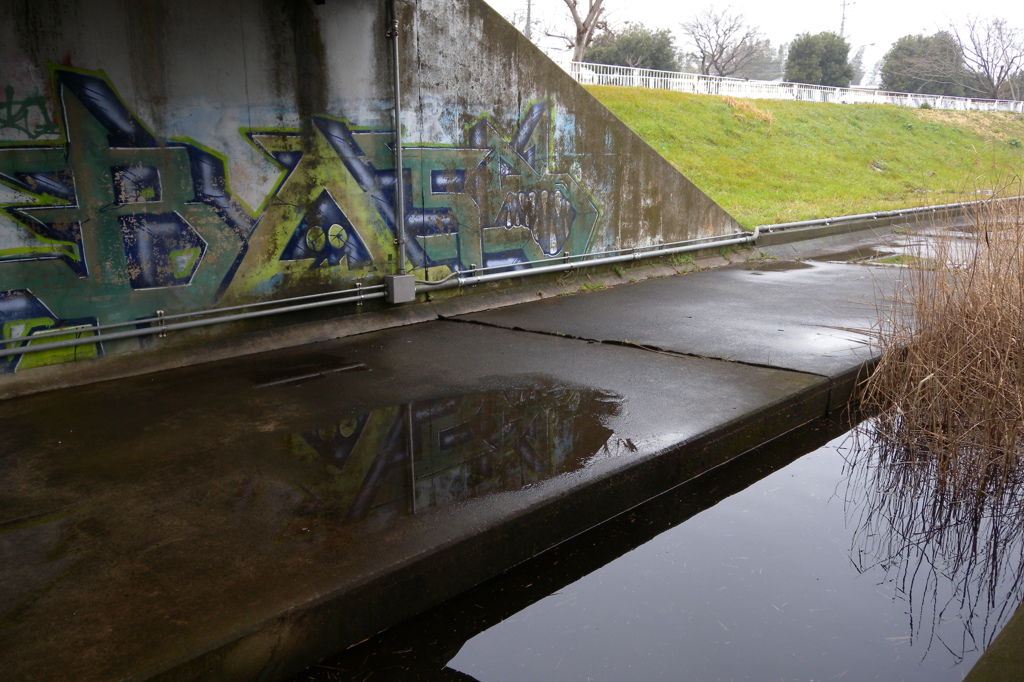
[
  {"x": 22, "y": 315},
  {"x": 124, "y": 223}
]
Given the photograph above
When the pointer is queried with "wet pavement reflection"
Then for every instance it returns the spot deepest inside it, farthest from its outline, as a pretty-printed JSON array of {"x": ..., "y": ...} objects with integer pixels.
[
  {"x": 779, "y": 565},
  {"x": 901, "y": 248},
  {"x": 347, "y": 469},
  {"x": 116, "y": 512},
  {"x": 429, "y": 454}
]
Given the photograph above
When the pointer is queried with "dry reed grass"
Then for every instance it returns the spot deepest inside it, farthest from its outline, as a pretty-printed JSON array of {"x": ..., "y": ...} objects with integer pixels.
[
  {"x": 745, "y": 106},
  {"x": 993, "y": 125},
  {"x": 942, "y": 458},
  {"x": 949, "y": 388}
]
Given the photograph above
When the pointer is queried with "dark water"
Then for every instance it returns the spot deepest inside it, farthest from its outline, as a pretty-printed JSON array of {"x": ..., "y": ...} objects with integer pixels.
[{"x": 775, "y": 567}]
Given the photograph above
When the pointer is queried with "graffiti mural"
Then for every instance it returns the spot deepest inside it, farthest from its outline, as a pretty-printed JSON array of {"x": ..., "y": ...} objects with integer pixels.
[
  {"x": 430, "y": 454},
  {"x": 117, "y": 223},
  {"x": 489, "y": 202},
  {"x": 27, "y": 117},
  {"x": 21, "y": 314}
]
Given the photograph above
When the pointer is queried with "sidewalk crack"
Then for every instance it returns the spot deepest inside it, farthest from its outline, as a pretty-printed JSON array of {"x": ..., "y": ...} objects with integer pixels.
[{"x": 632, "y": 344}]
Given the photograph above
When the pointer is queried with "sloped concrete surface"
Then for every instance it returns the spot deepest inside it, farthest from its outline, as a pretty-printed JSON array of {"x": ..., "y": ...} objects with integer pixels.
[
  {"x": 227, "y": 521},
  {"x": 785, "y": 314},
  {"x": 801, "y": 316},
  {"x": 1003, "y": 661},
  {"x": 242, "y": 519}
]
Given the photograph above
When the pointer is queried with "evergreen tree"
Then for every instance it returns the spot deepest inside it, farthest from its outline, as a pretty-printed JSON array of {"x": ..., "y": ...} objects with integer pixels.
[
  {"x": 636, "y": 45},
  {"x": 821, "y": 59},
  {"x": 932, "y": 65}
]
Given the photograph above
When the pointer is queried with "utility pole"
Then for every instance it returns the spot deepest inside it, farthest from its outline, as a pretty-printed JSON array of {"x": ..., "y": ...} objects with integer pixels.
[
  {"x": 842, "y": 23},
  {"x": 529, "y": 20}
]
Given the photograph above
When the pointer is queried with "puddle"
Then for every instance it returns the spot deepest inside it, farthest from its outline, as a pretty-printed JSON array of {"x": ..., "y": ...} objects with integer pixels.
[
  {"x": 423, "y": 455},
  {"x": 895, "y": 249},
  {"x": 858, "y": 255},
  {"x": 779, "y": 565},
  {"x": 308, "y": 480}
]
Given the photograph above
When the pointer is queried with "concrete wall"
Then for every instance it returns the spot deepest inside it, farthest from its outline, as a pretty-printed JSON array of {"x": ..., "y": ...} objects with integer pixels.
[{"x": 195, "y": 154}]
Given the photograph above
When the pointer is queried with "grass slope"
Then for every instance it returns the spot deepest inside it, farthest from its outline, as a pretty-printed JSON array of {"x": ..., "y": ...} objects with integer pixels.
[{"x": 769, "y": 161}]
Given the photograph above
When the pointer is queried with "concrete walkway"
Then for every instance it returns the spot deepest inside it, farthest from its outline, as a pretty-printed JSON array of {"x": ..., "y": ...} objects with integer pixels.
[{"x": 239, "y": 520}]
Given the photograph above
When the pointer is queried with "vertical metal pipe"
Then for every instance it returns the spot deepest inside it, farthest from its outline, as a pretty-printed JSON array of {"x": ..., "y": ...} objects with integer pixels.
[{"x": 399, "y": 167}]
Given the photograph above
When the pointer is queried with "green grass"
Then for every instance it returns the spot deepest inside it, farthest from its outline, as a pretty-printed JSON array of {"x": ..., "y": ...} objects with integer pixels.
[
  {"x": 768, "y": 161},
  {"x": 904, "y": 259}
]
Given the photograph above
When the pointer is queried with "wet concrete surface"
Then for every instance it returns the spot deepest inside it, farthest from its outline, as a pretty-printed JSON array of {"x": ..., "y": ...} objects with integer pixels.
[
  {"x": 801, "y": 316},
  {"x": 912, "y": 242},
  {"x": 239, "y": 520}
]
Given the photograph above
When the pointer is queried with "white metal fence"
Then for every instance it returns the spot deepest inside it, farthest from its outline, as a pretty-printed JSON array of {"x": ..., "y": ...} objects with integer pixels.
[{"x": 604, "y": 74}]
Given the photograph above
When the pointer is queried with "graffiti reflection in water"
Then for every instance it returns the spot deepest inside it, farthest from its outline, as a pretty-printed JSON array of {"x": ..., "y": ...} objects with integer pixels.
[{"x": 432, "y": 453}]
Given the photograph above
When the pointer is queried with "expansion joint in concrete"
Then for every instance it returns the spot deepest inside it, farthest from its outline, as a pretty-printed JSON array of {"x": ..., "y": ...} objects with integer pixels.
[{"x": 633, "y": 344}]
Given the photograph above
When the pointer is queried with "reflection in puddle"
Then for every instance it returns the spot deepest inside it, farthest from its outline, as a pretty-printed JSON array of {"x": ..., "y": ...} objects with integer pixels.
[
  {"x": 428, "y": 454},
  {"x": 859, "y": 255}
]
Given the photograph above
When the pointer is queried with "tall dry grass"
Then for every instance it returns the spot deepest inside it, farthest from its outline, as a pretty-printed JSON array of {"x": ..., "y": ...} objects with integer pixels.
[
  {"x": 949, "y": 388},
  {"x": 941, "y": 460}
]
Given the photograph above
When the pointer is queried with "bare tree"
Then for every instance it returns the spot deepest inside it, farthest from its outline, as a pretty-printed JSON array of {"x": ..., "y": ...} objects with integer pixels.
[
  {"x": 585, "y": 26},
  {"x": 722, "y": 41},
  {"x": 994, "y": 53}
]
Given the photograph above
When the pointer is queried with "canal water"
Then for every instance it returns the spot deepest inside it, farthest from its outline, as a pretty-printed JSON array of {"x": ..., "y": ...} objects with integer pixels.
[{"x": 778, "y": 566}]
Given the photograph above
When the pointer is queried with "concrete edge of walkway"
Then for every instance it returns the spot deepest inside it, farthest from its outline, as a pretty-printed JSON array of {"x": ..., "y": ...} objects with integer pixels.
[{"x": 485, "y": 547}]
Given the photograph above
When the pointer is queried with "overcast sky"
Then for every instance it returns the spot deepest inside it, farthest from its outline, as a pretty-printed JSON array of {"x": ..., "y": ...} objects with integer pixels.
[{"x": 879, "y": 22}]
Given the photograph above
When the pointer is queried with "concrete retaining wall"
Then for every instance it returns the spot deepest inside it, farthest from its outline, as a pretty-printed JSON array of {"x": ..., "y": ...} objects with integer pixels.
[{"x": 191, "y": 155}]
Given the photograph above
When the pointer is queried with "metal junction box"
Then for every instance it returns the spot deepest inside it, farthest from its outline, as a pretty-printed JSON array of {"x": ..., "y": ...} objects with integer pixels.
[{"x": 400, "y": 288}]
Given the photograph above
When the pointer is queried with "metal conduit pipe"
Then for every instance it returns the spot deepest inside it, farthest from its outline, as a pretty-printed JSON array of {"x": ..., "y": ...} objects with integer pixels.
[
  {"x": 878, "y": 214},
  {"x": 399, "y": 167},
  {"x": 364, "y": 293},
  {"x": 587, "y": 259},
  {"x": 100, "y": 338},
  {"x": 666, "y": 245},
  {"x": 568, "y": 265},
  {"x": 458, "y": 279},
  {"x": 162, "y": 319}
]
